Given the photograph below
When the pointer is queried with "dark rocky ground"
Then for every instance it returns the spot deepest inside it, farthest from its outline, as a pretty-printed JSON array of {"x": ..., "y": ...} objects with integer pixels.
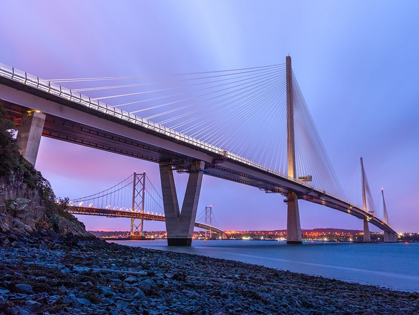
[{"x": 48, "y": 274}]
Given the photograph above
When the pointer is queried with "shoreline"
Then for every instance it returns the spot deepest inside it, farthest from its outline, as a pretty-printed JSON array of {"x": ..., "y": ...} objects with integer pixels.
[
  {"x": 92, "y": 276},
  {"x": 350, "y": 263}
]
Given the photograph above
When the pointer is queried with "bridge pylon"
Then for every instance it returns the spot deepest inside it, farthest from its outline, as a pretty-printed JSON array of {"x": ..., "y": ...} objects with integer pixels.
[
  {"x": 208, "y": 220},
  {"x": 138, "y": 198},
  {"x": 367, "y": 234},
  {"x": 389, "y": 237},
  {"x": 180, "y": 224},
  {"x": 293, "y": 214}
]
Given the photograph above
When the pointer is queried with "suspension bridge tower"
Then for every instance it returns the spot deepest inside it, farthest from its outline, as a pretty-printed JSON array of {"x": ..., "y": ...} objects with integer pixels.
[
  {"x": 293, "y": 216},
  {"x": 138, "y": 198}
]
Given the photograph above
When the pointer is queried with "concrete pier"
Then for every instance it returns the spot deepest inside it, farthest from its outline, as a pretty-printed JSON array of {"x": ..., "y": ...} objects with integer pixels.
[
  {"x": 293, "y": 220},
  {"x": 367, "y": 236},
  {"x": 390, "y": 237},
  {"x": 180, "y": 225},
  {"x": 29, "y": 135}
]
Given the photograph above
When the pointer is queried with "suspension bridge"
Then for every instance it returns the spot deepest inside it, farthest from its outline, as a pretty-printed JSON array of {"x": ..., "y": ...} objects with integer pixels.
[
  {"x": 249, "y": 125},
  {"x": 135, "y": 198}
]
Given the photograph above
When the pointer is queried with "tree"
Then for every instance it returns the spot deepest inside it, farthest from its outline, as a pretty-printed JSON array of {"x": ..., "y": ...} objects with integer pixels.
[{"x": 9, "y": 153}]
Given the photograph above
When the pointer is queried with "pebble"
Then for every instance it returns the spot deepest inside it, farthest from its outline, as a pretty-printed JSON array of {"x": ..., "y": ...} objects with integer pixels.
[
  {"x": 139, "y": 295},
  {"x": 23, "y": 288},
  {"x": 131, "y": 279}
]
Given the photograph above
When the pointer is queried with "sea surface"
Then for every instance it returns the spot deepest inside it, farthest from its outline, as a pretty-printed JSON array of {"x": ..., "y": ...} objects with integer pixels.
[{"x": 395, "y": 266}]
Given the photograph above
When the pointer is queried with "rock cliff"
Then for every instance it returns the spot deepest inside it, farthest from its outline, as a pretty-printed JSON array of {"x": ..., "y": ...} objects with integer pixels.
[{"x": 27, "y": 202}]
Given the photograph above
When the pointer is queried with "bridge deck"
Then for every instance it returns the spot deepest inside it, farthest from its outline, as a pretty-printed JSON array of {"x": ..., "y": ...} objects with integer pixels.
[{"x": 75, "y": 118}]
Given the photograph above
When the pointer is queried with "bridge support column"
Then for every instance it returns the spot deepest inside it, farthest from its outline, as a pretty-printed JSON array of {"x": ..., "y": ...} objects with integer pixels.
[
  {"x": 180, "y": 225},
  {"x": 367, "y": 236},
  {"x": 29, "y": 135},
  {"x": 293, "y": 213},
  {"x": 293, "y": 220},
  {"x": 390, "y": 237}
]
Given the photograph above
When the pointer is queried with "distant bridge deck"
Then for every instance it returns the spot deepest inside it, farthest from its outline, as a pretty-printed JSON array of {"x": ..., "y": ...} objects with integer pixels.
[
  {"x": 132, "y": 215},
  {"x": 78, "y": 119}
]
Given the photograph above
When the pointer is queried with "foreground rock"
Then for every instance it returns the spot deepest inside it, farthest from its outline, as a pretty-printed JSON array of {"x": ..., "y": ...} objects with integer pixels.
[
  {"x": 48, "y": 275},
  {"x": 27, "y": 201}
]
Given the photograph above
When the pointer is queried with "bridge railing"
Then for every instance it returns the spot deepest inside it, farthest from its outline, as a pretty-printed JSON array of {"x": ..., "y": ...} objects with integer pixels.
[
  {"x": 54, "y": 89},
  {"x": 65, "y": 93}
]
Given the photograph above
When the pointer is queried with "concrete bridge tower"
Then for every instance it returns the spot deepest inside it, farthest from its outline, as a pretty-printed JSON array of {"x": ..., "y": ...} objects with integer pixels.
[
  {"x": 293, "y": 215},
  {"x": 367, "y": 236}
]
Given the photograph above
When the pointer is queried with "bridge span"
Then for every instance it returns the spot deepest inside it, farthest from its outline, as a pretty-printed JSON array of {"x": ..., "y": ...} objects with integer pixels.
[
  {"x": 109, "y": 213},
  {"x": 40, "y": 107}
]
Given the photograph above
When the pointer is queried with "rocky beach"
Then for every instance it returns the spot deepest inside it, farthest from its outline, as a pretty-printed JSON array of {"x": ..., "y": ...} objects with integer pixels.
[
  {"x": 46, "y": 273},
  {"x": 49, "y": 264}
]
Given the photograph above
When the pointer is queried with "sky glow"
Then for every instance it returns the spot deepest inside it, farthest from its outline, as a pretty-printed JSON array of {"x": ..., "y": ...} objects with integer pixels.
[{"x": 356, "y": 64}]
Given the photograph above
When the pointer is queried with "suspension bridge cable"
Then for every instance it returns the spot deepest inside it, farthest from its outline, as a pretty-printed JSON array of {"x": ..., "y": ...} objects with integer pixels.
[
  {"x": 158, "y": 90},
  {"x": 273, "y": 119},
  {"x": 149, "y": 181},
  {"x": 171, "y": 95},
  {"x": 112, "y": 87},
  {"x": 268, "y": 125},
  {"x": 86, "y": 198},
  {"x": 254, "y": 151},
  {"x": 222, "y": 137},
  {"x": 153, "y": 76},
  {"x": 253, "y": 118},
  {"x": 318, "y": 160},
  {"x": 233, "y": 93},
  {"x": 221, "y": 109},
  {"x": 209, "y": 93},
  {"x": 249, "y": 104}
]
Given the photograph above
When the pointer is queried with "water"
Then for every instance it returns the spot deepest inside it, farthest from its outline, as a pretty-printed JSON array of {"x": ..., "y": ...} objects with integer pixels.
[{"x": 394, "y": 266}]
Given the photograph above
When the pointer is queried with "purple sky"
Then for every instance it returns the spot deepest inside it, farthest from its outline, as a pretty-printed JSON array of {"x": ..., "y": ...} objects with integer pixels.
[{"x": 356, "y": 63}]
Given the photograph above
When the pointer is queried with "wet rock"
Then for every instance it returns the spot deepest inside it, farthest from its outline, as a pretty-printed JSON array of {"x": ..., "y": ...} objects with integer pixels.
[
  {"x": 84, "y": 302},
  {"x": 13, "y": 237},
  {"x": 107, "y": 291},
  {"x": 18, "y": 310},
  {"x": 147, "y": 285},
  {"x": 4, "y": 291},
  {"x": 62, "y": 289},
  {"x": 116, "y": 280},
  {"x": 42, "y": 246},
  {"x": 168, "y": 275},
  {"x": 33, "y": 306},
  {"x": 131, "y": 279},
  {"x": 71, "y": 300},
  {"x": 190, "y": 294},
  {"x": 108, "y": 301},
  {"x": 139, "y": 295},
  {"x": 23, "y": 288}
]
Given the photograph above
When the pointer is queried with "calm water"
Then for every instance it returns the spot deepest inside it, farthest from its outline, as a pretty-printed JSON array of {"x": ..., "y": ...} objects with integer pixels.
[{"x": 395, "y": 266}]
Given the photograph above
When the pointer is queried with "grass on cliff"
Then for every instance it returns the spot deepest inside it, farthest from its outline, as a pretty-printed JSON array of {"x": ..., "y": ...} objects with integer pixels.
[{"x": 13, "y": 164}]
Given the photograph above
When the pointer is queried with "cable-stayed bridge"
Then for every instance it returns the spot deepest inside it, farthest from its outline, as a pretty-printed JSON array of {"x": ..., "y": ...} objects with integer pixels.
[{"x": 249, "y": 125}]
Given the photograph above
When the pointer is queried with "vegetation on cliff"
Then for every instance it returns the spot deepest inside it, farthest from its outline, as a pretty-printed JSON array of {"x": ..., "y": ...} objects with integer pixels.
[{"x": 27, "y": 201}]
